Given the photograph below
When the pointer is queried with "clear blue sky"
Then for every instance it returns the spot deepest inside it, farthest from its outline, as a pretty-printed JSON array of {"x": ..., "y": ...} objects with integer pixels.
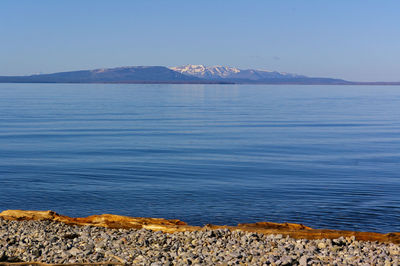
[{"x": 350, "y": 39}]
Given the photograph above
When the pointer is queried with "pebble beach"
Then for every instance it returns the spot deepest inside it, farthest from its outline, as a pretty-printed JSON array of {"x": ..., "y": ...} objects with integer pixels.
[{"x": 57, "y": 243}]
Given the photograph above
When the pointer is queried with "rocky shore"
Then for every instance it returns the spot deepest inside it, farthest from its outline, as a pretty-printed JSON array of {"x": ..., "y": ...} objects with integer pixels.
[{"x": 54, "y": 242}]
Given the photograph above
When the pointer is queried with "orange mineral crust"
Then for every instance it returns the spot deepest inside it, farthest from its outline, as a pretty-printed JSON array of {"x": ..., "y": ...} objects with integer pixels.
[{"x": 297, "y": 231}]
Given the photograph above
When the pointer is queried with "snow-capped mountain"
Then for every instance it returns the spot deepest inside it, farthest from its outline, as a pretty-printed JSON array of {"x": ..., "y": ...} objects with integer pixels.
[
  {"x": 206, "y": 72},
  {"x": 184, "y": 74},
  {"x": 231, "y": 73}
]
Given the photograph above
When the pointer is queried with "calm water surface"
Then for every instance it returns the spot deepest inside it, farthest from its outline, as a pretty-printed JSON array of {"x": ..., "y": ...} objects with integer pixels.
[{"x": 324, "y": 156}]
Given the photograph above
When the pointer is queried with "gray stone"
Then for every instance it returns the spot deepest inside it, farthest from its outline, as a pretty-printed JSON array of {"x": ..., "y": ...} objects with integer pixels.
[
  {"x": 303, "y": 261},
  {"x": 51, "y": 242}
]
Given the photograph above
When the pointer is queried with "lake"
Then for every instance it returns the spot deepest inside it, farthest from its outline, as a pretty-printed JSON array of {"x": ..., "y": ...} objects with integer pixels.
[{"x": 323, "y": 156}]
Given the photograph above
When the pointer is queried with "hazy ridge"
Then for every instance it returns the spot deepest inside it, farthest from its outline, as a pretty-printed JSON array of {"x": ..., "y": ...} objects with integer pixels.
[{"x": 183, "y": 74}]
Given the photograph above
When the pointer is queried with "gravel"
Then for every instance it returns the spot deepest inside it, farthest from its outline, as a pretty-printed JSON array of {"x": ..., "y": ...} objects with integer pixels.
[{"x": 52, "y": 242}]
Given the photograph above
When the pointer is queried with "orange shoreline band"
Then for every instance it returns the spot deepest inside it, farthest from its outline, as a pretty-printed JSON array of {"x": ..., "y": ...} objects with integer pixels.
[{"x": 297, "y": 231}]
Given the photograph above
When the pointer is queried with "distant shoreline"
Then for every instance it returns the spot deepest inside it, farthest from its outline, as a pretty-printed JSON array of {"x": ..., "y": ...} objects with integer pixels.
[
  {"x": 213, "y": 83},
  {"x": 191, "y": 74}
]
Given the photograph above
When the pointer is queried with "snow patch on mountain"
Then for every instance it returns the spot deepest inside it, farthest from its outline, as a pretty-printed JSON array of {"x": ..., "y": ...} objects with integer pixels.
[
  {"x": 208, "y": 72},
  {"x": 231, "y": 73}
]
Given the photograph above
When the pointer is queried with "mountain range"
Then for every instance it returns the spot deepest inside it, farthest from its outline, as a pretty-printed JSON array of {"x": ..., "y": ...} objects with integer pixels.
[
  {"x": 230, "y": 73},
  {"x": 235, "y": 75},
  {"x": 137, "y": 74},
  {"x": 198, "y": 74}
]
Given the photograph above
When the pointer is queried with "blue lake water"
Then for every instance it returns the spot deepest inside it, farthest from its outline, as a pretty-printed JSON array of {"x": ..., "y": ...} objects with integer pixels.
[{"x": 324, "y": 156}]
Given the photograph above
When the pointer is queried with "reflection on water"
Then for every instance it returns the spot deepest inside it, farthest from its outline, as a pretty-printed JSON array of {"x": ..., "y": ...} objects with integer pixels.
[{"x": 325, "y": 156}]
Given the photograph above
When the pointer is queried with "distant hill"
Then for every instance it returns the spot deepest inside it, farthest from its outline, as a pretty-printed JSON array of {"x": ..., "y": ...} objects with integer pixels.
[
  {"x": 136, "y": 74},
  {"x": 183, "y": 74}
]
